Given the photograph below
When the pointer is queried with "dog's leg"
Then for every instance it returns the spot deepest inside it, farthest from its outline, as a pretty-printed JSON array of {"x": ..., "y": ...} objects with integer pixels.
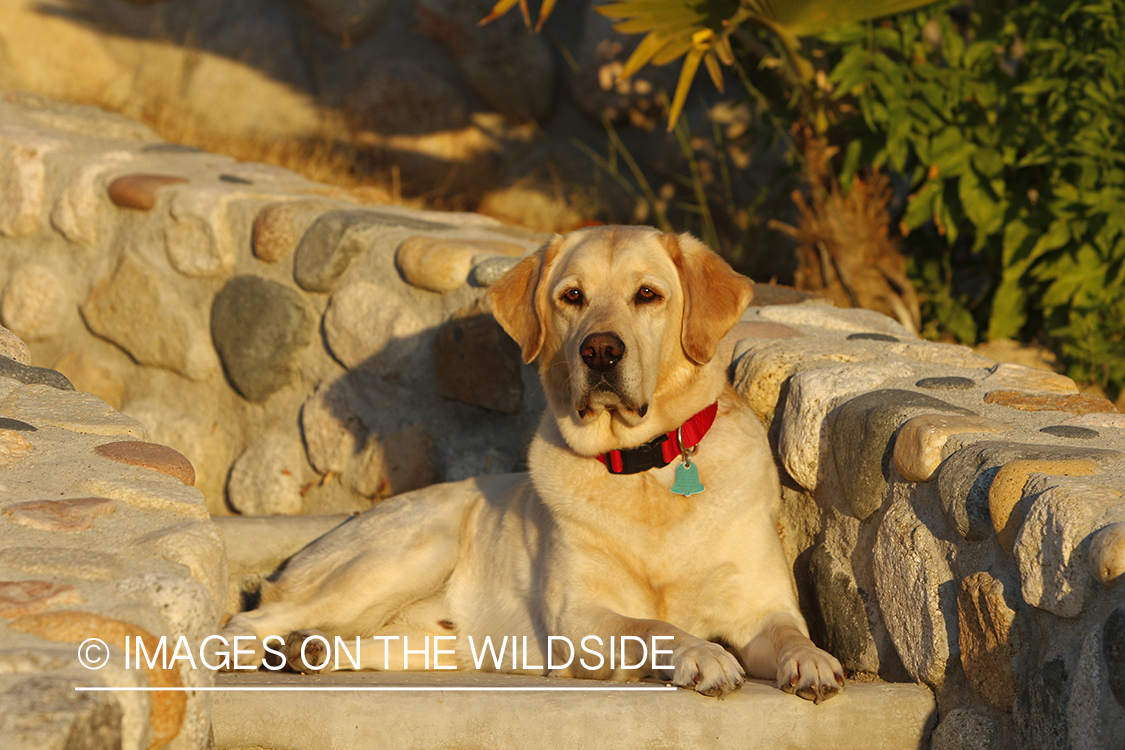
[
  {"x": 693, "y": 663},
  {"x": 347, "y": 593},
  {"x": 783, "y": 648}
]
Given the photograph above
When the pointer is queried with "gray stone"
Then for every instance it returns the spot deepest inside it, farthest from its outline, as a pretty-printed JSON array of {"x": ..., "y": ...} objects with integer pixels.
[
  {"x": 1113, "y": 650},
  {"x": 46, "y": 712},
  {"x": 847, "y": 633},
  {"x": 260, "y": 328},
  {"x": 965, "y": 729},
  {"x": 335, "y": 239},
  {"x": 1070, "y": 431},
  {"x": 27, "y": 375},
  {"x": 399, "y": 97},
  {"x": 1041, "y": 708},
  {"x": 764, "y": 366},
  {"x": 508, "y": 67},
  {"x": 804, "y": 440},
  {"x": 490, "y": 270},
  {"x": 823, "y": 315},
  {"x": 872, "y": 337},
  {"x": 333, "y": 432},
  {"x": 371, "y": 327},
  {"x": 1086, "y": 715},
  {"x": 171, "y": 148},
  {"x": 198, "y": 546},
  {"x": 950, "y": 383},
  {"x": 1053, "y": 544},
  {"x": 913, "y": 582},
  {"x": 141, "y": 312},
  {"x": 475, "y": 361},
  {"x": 265, "y": 479},
  {"x": 863, "y": 441},
  {"x": 347, "y": 20},
  {"x": 80, "y": 119},
  {"x": 965, "y": 478}
]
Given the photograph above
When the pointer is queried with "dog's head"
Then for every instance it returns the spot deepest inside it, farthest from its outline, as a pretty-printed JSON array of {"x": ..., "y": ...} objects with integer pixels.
[{"x": 624, "y": 321}]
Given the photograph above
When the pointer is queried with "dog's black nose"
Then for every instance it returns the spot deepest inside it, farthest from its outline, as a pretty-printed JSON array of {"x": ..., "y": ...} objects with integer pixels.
[{"x": 602, "y": 351}]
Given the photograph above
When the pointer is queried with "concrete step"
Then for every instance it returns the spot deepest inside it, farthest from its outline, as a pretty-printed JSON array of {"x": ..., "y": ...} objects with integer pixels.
[{"x": 349, "y": 710}]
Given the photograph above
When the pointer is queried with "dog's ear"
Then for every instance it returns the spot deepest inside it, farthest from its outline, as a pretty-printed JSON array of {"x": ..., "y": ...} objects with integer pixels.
[
  {"x": 514, "y": 304},
  {"x": 715, "y": 296}
]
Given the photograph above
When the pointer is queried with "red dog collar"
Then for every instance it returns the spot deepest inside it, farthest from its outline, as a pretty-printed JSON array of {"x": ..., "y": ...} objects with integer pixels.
[{"x": 662, "y": 450}]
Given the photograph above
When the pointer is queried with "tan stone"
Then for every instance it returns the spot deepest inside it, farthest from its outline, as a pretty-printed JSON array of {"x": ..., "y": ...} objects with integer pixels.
[
  {"x": 62, "y": 562},
  {"x": 76, "y": 212},
  {"x": 921, "y": 440},
  {"x": 198, "y": 235},
  {"x": 76, "y": 514},
  {"x": 136, "y": 308},
  {"x": 23, "y": 179},
  {"x": 987, "y": 642},
  {"x": 19, "y": 598},
  {"x": 278, "y": 227},
  {"x": 72, "y": 410},
  {"x": 1007, "y": 375},
  {"x": 1099, "y": 419},
  {"x": 12, "y": 347},
  {"x": 86, "y": 374},
  {"x": 442, "y": 264},
  {"x": 1007, "y": 490},
  {"x": 1107, "y": 553},
  {"x": 168, "y": 706},
  {"x": 199, "y": 546},
  {"x": 139, "y": 190},
  {"x": 1075, "y": 403},
  {"x": 150, "y": 456},
  {"x": 34, "y": 303},
  {"x": 952, "y": 355},
  {"x": 157, "y": 494},
  {"x": 13, "y": 446},
  {"x": 765, "y": 366}
]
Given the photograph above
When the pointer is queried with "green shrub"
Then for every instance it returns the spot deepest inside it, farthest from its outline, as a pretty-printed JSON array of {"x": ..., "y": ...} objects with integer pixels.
[{"x": 1007, "y": 121}]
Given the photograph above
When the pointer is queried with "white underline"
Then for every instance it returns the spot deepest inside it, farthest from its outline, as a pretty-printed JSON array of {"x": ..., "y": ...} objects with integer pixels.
[{"x": 372, "y": 688}]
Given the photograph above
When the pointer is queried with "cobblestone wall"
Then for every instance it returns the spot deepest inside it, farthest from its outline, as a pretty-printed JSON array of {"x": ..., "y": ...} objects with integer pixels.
[
  {"x": 952, "y": 520},
  {"x": 956, "y": 522}
]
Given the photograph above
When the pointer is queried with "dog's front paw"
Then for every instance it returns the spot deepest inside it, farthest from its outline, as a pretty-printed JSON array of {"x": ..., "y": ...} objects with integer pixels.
[
  {"x": 810, "y": 673},
  {"x": 236, "y": 649},
  {"x": 707, "y": 668},
  {"x": 306, "y": 651}
]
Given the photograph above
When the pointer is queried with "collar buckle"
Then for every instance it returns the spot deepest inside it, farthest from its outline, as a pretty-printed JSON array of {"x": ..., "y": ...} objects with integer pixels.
[{"x": 645, "y": 457}]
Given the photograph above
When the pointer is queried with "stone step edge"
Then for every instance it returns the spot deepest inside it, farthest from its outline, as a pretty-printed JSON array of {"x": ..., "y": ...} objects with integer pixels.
[{"x": 356, "y": 710}]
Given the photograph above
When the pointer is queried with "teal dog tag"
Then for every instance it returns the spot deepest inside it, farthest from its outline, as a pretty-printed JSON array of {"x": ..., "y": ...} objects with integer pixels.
[{"x": 687, "y": 480}]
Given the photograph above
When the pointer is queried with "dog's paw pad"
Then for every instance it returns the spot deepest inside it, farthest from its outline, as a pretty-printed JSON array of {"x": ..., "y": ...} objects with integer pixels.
[
  {"x": 812, "y": 674},
  {"x": 306, "y": 651},
  {"x": 709, "y": 669}
]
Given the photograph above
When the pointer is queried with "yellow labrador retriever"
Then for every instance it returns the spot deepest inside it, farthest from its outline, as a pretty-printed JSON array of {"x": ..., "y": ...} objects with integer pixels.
[{"x": 643, "y": 537}]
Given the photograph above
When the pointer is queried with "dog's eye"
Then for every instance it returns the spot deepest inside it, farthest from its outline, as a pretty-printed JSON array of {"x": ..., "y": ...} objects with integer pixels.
[
  {"x": 645, "y": 295},
  {"x": 573, "y": 297}
]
